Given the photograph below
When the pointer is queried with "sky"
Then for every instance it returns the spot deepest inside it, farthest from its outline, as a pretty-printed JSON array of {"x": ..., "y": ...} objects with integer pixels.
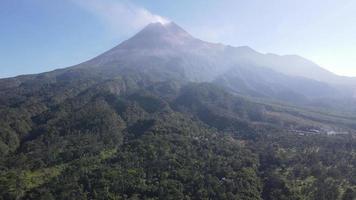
[{"x": 42, "y": 35}]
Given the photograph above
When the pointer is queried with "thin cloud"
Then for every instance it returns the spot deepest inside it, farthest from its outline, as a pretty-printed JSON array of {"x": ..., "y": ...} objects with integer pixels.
[{"x": 121, "y": 16}]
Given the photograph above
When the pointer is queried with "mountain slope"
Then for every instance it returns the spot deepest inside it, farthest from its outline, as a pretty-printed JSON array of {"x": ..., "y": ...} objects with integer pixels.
[
  {"x": 298, "y": 66},
  {"x": 168, "y": 52},
  {"x": 164, "y": 141}
]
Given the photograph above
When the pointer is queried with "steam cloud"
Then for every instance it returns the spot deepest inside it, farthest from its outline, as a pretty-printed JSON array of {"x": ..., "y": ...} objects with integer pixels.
[{"x": 120, "y": 15}]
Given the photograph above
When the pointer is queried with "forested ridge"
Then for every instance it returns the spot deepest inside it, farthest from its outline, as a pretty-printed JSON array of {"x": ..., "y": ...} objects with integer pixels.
[{"x": 124, "y": 138}]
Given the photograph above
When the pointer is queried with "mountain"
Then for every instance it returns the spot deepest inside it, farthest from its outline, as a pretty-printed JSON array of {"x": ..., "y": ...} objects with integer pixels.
[
  {"x": 164, "y": 115},
  {"x": 167, "y": 52}
]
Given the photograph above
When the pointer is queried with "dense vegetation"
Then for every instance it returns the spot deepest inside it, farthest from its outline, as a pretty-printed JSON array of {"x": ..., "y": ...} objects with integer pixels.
[{"x": 125, "y": 138}]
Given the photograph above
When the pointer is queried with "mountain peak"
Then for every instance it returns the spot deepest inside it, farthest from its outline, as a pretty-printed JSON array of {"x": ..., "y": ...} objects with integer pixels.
[
  {"x": 160, "y": 28},
  {"x": 159, "y": 35}
]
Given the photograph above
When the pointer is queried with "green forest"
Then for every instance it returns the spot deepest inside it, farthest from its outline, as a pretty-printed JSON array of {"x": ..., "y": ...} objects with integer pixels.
[{"x": 129, "y": 137}]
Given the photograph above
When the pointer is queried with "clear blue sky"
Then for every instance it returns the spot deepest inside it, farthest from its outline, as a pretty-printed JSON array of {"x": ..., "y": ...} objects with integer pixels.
[{"x": 41, "y": 35}]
